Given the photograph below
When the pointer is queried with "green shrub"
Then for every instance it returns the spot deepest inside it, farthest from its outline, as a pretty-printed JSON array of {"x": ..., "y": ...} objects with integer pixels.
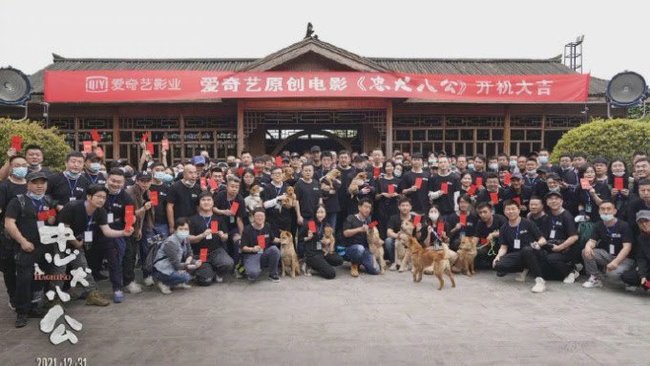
[
  {"x": 616, "y": 138},
  {"x": 49, "y": 139}
]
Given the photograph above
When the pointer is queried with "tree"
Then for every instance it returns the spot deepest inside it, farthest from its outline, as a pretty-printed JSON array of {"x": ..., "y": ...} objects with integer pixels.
[{"x": 49, "y": 139}]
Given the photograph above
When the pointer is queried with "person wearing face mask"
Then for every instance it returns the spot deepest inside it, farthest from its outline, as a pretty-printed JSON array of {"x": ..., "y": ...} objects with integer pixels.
[
  {"x": 174, "y": 262},
  {"x": 160, "y": 184},
  {"x": 93, "y": 165},
  {"x": 10, "y": 188},
  {"x": 493, "y": 165},
  {"x": 531, "y": 179},
  {"x": 33, "y": 156},
  {"x": 183, "y": 196},
  {"x": 71, "y": 184},
  {"x": 608, "y": 247},
  {"x": 543, "y": 160}
]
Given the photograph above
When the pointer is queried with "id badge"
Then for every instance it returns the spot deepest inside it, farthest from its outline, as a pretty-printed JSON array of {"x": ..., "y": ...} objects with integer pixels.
[
  {"x": 88, "y": 236},
  {"x": 110, "y": 217},
  {"x": 40, "y": 224},
  {"x": 73, "y": 198},
  {"x": 611, "y": 249},
  {"x": 588, "y": 208},
  {"x": 552, "y": 234},
  {"x": 319, "y": 245},
  {"x": 517, "y": 244},
  {"x": 209, "y": 237},
  {"x": 232, "y": 219}
]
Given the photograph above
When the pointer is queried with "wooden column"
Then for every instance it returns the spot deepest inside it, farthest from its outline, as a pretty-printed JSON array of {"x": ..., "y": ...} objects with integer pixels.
[
  {"x": 181, "y": 122},
  {"x": 240, "y": 127},
  {"x": 506, "y": 130},
  {"x": 116, "y": 136},
  {"x": 389, "y": 130}
]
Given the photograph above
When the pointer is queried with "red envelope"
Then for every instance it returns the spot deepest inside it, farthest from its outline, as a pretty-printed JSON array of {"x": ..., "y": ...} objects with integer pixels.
[
  {"x": 212, "y": 183},
  {"x": 373, "y": 224},
  {"x": 128, "y": 225},
  {"x": 494, "y": 197},
  {"x": 17, "y": 142},
  {"x": 95, "y": 135},
  {"x": 463, "y": 219},
  {"x": 204, "y": 183},
  {"x": 278, "y": 161},
  {"x": 376, "y": 171},
  {"x": 584, "y": 183},
  {"x": 444, "y": 187},
  {"x": 506, "y": 178},
  {"x": 203, "y": 255},
  {"x": 479, "y": 181},
  {"x": 418, "y": 182},
  {"x": 391, "y": 188},
  {"x": 129, "y": 217},
  {"x": 43, "y": 215},
  {"x": 88, "y": 147},
  {"x": 416, "y": 220},
  {"x": 518, "y": 200},
  {"x": 145, "y": 136},
  {"x": 618, "y": 183},
  {"x": 240, "y": 172},
  {"x": 153, "y": 197},
  {"x": 52, "y": 212},
  {"x": 472, "y": 190},
  {"x": 257, "y": 171},
  {"x": 312, "y": 226},
  {"x": 150, "y": 147},
  {"x": 165, "y": 144},
  {"x": 440, "y": 228},
  {"x": 234, "y": 207},
  {"x": 261, "y": 241},
  {"x": 100, "y": 152},
  {"x": 214, "y": 226}
]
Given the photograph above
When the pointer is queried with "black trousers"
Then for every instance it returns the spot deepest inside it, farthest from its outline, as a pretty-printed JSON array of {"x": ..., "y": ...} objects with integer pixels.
[
  {"x": 527, "y": 257},
  {"x": 557, "y": 265},
  {"x": 324, "y": 264},
  {"x": 25, "y": 283},
  {"x": 8, "y": 265}
]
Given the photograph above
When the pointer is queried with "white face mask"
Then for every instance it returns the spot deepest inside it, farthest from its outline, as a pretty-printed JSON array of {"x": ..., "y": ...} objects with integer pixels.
[{"x": 434, "y": 217}]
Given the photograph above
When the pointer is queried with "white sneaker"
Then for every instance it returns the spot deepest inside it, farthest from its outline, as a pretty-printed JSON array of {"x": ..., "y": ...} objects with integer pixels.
[
  {"x": 183, "y": 285},
  {"x": 218, "y": 279},
  {"x": 579, "y": 267},
  {"x": 571, "y": 277},
  {"x": 540, "y": 285},
  {"x": 393, "y": 267},
  {"x": 148, "y": 281},
  {"x": 134, "y": 288},
  {"x": 522, "y": 276},
  {"x": 164, "y": 288},
  {"x": 630, "y": 288},
  {"x": 592, "y": 282}
]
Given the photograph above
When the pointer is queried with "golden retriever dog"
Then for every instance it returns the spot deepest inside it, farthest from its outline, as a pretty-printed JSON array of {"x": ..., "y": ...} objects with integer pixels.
[
  {"x": 290, "y": 198},
  {"x": 466, "y": 255},
  {"x": 423, "y": 258},
  {"x": 402, "y": 252},
  {"x": 288, "y": 257},
  {"x": 356, "y": 184},
  {"x": 253, "y": 200},
  {"x": 331, "y": 176},
  {"x": 376, "y": 246},
  {"x": 328, "y": 240}
]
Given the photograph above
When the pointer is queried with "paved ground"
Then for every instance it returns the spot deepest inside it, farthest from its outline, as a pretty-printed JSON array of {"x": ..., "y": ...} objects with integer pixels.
[{"x": 372, "y": 320}]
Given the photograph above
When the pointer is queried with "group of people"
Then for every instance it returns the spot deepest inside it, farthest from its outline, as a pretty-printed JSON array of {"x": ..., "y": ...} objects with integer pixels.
[{"x": 204, "y": 220}]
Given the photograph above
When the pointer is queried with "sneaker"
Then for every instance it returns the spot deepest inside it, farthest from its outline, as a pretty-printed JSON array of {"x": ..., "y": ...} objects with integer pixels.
[
  {"x": 238, "y": 275},
  {"x": 592, "y": 282},
  {"x": 579, "y": 267},
  {"x": 354, "y": 270},
  {"x": 540, "y": 285},
  {"x": 218, "y": 279},
  {"x": 133, "y": 288},
  {"x": 393, "y": 267},
  {"x": 274, "y": 278},
  {"x": 148, "y": 281},
  {"x": 164, "y": 288},
  {"x": 183, "y": 285},
  {"x": 571, "y": 277},
  {"x": 118, "y": 296},
  {"x": 631, "y": 288},
  {"x": 21, "y": 320},
  {"x": 522, "y": 276},
  {"x": 97, "y": 299}
]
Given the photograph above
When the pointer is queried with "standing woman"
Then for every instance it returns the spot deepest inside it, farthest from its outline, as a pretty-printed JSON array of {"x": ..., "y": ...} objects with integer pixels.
[
  {"x": 591, "y": 196},
  {"x": 621, "y": 197},
  {"x": 386, "y": 202}
]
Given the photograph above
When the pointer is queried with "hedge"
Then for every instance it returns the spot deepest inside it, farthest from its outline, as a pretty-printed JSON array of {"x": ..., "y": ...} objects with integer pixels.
[{"x": 49, "y": 139}]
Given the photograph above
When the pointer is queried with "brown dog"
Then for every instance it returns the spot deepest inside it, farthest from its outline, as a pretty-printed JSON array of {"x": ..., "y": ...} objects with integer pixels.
[
  {"x": 328, "y": 240},
  {"x": 466, "y": 255},
  {"x": 290, "y": 198},
  {"x": 253, "y": 200},
  {"x": 402, "y": 252},
  {"x": 376, "y": 246},
  {"x": 288, "y": 257},
  {"x": 331, "y": 176},
  {"x": 424, "y": 258},
  {"x": 356, "y": 183}
]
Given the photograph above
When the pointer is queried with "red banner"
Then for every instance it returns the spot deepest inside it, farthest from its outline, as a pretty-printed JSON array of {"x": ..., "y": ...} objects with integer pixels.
[{"x": 183, "y": 85}]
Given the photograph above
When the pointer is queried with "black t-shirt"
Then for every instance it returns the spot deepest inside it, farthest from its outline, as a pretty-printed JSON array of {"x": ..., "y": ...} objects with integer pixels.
[
  {"x": 308, "y": 194},
  {"x": 445, "y": 202},
  {"x": 62, "y": 189},
  {"x": 184, "y": 199},
  {"x": 331, "y": 200},
  {"x": 589, "y": 206},
  {"x": 523, "y": 196},
  {"x": 222, "y": 203},
  {"x": 395, "y": 223},
  {"x": 482, "y": 230},
  {"x": 276, "y": 216},
  {"x": 8, "y": 190},
  {"x": 543, "y": 223},
  {"x": 353, "y": 222},
  {"x": 486, "y": 196},
  {"x": 27, "y": 216},
  {"x": 198, "y": 224},
  {"x": 161, "y": 209},
  {"x": 469, "y": 229},
  {"x": 526, "y": 232},
  {"x": 419, "y": 198},
  {"x": 74, "y": 214},
  {"x": 612, "y": 238},
  {"x": 250, "y": 235},
  {"x": 115, "y": 206},
  {"x": 95, "y": 179},
  {"x": 561, "y": 227}
]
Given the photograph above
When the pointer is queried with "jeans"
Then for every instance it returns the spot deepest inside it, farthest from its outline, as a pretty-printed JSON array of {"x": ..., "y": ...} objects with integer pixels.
[
  {"x": 389, "y": 249},
  {"x": 254, "y": 262},
  {"x": 161, "y": 229},
  {"x": 173, "y": 279},
  {"x": 358, "y": 254},
  {"x": 114, "y": 251},
  {"x": 331, "y": 219}
]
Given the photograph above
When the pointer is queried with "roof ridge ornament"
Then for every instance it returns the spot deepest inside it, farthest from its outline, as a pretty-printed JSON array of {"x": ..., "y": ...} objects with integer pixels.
[{"x": 310, "y": 32}]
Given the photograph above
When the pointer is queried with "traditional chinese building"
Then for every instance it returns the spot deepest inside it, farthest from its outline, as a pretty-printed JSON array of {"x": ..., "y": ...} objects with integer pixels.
[{"x": 326, "y": 96}]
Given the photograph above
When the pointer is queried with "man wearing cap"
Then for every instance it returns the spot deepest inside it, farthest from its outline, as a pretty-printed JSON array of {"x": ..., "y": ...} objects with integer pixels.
[
  {"x": 199, "y": 162},
  {"x": 23, "y": 218},
  {"x": 518, "y": 192},
  {"x": 143, "y": 231},
  {"x": 638, "y": 277},
  {"x": 562, "y": 236},
  {"x": 93, "y": 165}
]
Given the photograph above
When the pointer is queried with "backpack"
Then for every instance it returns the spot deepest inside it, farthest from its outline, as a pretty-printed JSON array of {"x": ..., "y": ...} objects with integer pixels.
[{"x": 156, "y": 243}]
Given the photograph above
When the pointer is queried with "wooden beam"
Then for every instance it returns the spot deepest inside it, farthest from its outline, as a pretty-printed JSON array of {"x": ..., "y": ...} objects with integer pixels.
[
  {"x": 506, "y": 130},
  {"x": 240, "y": 127},
  {"x": 389, "y": 130},
  {"x": 116, "y": 136}
]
